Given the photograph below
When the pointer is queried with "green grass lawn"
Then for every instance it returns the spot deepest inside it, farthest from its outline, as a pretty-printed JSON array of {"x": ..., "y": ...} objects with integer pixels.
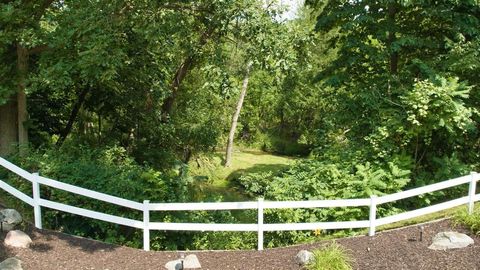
[{"x": 215, "y": 179}]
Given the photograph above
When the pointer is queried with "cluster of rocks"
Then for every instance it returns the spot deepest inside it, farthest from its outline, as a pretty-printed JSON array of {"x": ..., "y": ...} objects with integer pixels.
[{"x": 9, "y": 220}]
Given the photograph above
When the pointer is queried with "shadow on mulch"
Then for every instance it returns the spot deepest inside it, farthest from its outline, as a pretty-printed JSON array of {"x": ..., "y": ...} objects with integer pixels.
[{"x": 83, "y": 244}]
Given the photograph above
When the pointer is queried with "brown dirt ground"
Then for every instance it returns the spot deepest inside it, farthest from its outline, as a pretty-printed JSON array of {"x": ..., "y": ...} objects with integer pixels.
[{"x": 396, "y": 249}]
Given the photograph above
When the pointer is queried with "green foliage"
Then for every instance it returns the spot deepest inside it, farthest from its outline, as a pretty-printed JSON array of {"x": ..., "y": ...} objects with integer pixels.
[
  {"x": 330, "y": 257},
  {"x": 379, "y": 100},
  {"x": 316, "y": 180},
  {"x": 440, "y": 104},
  {"x": 107, "y": 170},
  {"x": 471, "y": 221}
]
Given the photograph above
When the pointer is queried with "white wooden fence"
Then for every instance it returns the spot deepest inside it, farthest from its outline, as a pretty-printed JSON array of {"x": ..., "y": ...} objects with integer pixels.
[{"x": 146, "y": 207}]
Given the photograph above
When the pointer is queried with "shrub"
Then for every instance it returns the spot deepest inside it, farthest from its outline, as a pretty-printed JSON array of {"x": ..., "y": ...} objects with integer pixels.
[
  {"x": 331, "y": 257},
  {"x": 108, "y": 170},
  {"x": 315, "y": 180},
  {"x": 472, "y": 221}
]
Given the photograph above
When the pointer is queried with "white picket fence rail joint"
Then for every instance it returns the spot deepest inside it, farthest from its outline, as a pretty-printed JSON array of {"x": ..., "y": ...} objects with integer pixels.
[{"x": 146, "y": 207}]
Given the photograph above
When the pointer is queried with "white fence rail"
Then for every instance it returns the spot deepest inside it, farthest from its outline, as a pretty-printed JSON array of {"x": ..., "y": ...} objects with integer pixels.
[{"x": 146, "y": 207}]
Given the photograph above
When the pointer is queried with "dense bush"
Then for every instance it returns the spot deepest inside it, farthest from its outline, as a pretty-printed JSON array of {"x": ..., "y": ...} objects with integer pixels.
[
  {"x": 109, "y": 170},
  {"x": 315, "y": 180}
]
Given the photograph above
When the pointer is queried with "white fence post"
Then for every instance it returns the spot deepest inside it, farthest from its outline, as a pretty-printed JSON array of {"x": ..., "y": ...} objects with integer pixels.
[
  {"x": 471, "y": 192},
  {"x": 260, "y": 223},
  {"x": 37, "y": 211},
  {"x": 146, "y": 225},
  {"x": 373, "y": 215}
]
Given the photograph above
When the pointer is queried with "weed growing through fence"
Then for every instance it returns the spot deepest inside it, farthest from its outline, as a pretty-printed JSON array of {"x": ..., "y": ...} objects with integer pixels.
[{"x": 331, "y": 257}]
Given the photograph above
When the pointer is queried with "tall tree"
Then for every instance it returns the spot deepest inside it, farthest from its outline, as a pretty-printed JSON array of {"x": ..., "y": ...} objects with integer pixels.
[
  {"x": 236, "y": 114},
  {"x": 388, "y": 52},
  {"x": 266, "y": 43},
  {"x": 22, "y": 31}
]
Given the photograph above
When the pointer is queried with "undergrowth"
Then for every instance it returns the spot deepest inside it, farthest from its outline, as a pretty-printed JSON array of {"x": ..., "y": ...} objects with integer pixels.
[
  {"x": 331, "y": 257},
  {"x": 472, "y": 222}
]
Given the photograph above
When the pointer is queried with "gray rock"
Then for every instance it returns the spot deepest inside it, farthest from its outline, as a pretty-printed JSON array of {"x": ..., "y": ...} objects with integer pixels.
[
  {"x": 303, "y": 257},
  {"x": 17, "y": 239},
  {"x": 190, "y": 262},
  {"x": 11, "y": 264},
  {"x": 449, "y": 240},
  {"x": 9, "y": 219}
]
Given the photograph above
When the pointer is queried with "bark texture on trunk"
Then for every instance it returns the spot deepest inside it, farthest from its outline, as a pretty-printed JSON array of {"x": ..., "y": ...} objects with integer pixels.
[
  {"x": 14, "y": 114},
  {"x": 236, "y": 114},
  {"x": 22, "y": 68},
  {"x": 8, "y": 127}
]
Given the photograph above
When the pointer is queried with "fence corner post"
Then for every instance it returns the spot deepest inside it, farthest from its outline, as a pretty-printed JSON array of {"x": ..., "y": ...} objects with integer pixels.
[
  {"x": 260, "y": 223},
  {"x": 373, "y": 215},
  {"x": 37, "y": 211},
  {"x": 471, "y": 192},
  {"x": 146, "y": 225}
]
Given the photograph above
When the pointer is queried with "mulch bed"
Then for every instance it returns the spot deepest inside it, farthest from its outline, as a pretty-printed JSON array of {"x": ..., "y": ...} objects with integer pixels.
[{"x": 396, "y": 249}]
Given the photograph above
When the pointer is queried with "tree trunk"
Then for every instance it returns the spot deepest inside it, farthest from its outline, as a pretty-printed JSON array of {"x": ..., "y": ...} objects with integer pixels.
[
  {"x": 180, "y": 74},
  {"x": 8, "y": 126},
  {"x": 73, "y": 116},
  {"x": 22, "y": 68},
  {"x": 231, "y": 135}
]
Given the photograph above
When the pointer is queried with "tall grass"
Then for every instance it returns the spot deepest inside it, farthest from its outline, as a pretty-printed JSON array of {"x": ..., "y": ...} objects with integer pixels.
[
  {"x": 472, "y": 221},
  {"x": 331, "y": 257}
]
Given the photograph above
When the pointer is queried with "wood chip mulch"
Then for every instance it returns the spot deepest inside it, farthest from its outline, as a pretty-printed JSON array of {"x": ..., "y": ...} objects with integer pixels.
[{"x": 396, "y": 249}]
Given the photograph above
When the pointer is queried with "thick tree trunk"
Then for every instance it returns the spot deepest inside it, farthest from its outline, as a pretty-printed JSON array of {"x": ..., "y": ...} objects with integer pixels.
[
  {"x": 8, "y": 126},
  {"x": 22, "y": 68},
  {"x": 73, "y": 117},
  {"x": 233, "y": 127}
]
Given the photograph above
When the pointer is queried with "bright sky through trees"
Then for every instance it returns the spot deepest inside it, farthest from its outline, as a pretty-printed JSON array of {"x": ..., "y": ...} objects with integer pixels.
[{"x": 293, "y": 6}]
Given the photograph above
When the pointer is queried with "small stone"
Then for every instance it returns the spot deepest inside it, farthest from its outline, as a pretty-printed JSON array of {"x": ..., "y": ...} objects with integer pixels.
[
  {"x": 190, "y": 262},
  {"x": 303, "y": 257},
  {"x": 450, "y": 240},
  {"x": 9, "y": 219},
  {"x": 174, "y": 265},
  {"x": 11, "y": 264},
  {"x": 17, "y": 239}
]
